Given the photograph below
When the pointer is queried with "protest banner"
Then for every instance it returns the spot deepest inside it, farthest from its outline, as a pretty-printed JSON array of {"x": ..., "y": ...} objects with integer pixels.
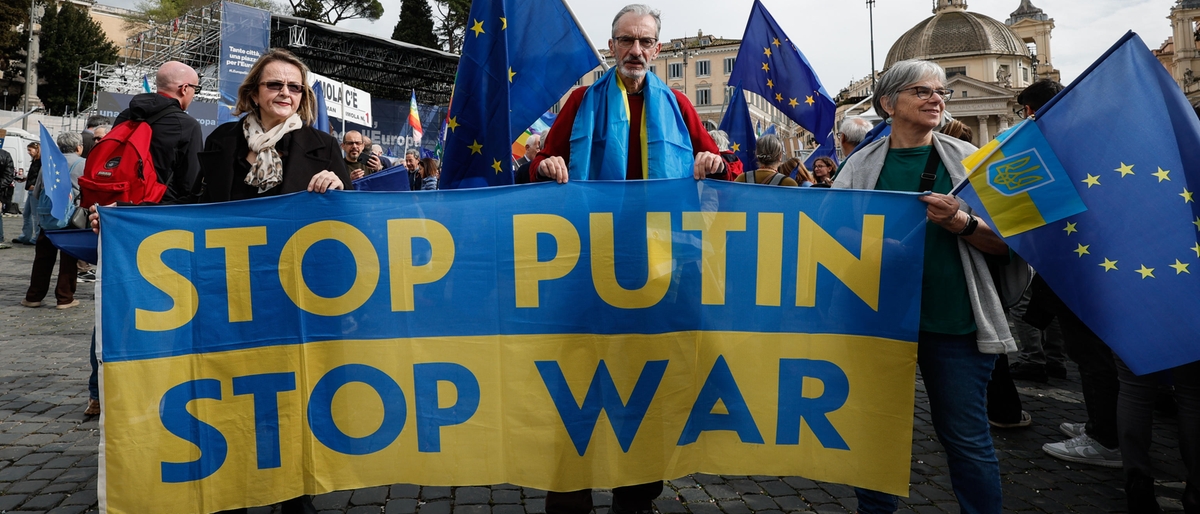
[{"x": 593, "y": 334}]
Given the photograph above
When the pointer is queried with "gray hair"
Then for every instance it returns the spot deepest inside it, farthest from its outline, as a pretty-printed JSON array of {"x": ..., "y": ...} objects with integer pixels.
[
  {"x": 768, "y": 150},
  {"x": 720, "y": 138},
  {"x": 901, "y": 75},
  {"x": 638, "y": 10},
  {"x": 69, "y": 142},
  {"x": 413, "y": 152},
  {"x": 854, "y": 129},
  {"x": 377, "y": 148}
]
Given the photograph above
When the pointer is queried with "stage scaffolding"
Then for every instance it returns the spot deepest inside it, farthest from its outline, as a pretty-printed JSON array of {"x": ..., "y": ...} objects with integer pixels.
[{"x": 387, "y": 69}]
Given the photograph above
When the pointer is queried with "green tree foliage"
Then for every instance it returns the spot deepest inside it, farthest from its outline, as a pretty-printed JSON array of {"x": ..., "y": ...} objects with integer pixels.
[
  {"x": 453, "y": 23},
  {"x": 162, "y": 12},
  {"x": 69, "y": 41},
  {"x": 13, "y": 43},
  {"x": 416, "y": 24},
  {"x": 333, "y": 11}
]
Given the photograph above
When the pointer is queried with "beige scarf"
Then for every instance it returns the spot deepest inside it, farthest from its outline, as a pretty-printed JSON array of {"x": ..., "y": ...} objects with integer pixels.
[{"x": 267, "y": 171}]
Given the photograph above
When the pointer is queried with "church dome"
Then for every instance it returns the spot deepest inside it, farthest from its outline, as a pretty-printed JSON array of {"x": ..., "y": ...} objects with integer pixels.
[{"x": 954, "y": 32}]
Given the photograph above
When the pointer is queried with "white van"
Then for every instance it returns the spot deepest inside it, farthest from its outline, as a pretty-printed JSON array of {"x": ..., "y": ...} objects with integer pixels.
[{"x": 15, "y": 144}]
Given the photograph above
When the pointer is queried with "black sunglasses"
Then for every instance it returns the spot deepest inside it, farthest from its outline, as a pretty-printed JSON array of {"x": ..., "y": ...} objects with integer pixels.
[
  {"x": 294, "y": 89},
  {"x": 196, "y": 88}
]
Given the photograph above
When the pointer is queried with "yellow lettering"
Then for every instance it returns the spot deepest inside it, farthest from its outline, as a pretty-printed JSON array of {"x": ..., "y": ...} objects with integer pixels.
[
  {"x": 658, "y": 260},
  {"x": 860, "y": 274},
  {"x": 237, "y": 243},
  {"x": 291, "y": 276},
  {"x": 714, "y": 228},
  {"x": 158, "y": 274},
  {"x": 770, "y": 258},
  {"x": 400, "y": 259},
  {"x": 528, "y": 270}
]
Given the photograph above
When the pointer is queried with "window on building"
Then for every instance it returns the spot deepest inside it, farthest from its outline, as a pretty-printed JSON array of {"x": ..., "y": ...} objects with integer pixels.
[
  {"x": 675, "y": 70},
  {"x": 579, "y": 81},
  {"x": 703, "y": 68},
  {"x": 596, "y": 75},
  {"x": 963, "y": 93},
  {"x": 729, "y": 64},
  {"x": 956, "y": 70},
  {"x": 703, "y": 96},
  {"x": 1025, "y": 73},
  {"x": 554, "y": 108},
  {"x": 654, "y": 69}
]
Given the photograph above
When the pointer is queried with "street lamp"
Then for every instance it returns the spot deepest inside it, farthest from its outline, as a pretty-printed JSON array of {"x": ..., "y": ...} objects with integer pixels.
[{"x": 871, "y": 17}]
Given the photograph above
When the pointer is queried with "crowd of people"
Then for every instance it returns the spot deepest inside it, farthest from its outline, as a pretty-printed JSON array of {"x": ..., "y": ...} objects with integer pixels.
[{"x": 964, "y": 339}]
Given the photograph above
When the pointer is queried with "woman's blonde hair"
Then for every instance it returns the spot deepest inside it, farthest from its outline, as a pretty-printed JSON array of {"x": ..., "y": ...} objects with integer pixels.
[{"x": 308, "y": 100}]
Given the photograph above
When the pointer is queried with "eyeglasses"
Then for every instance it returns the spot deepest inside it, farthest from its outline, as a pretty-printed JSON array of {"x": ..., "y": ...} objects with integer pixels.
[
  {"x": 627, "y": 41},
  {"x": 294, "y": 89},
  {"x": 352, "y": 143},
  {"x": 196, "y": 88},
  {"x": 924, "y": 93}
]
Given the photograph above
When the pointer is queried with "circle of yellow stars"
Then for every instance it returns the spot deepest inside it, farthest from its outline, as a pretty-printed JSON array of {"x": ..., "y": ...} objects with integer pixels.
[
  {"x": 1107, "y": 264},
  {"x": 779, "y": 97},
  {"x": 452, "y": 122}
]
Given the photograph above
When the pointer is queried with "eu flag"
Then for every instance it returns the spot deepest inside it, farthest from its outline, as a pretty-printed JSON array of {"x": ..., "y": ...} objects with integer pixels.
[
  {"x": 736, "y": 125},
  {"x": 518, "y": 59},
  {"x": 56, "y": 177},
  {"x": 322, "y": 121},
  {"x": 770, "y": 65},
  {"x": 828, "y": 149},
  {"x": 1130, "y": 145}
]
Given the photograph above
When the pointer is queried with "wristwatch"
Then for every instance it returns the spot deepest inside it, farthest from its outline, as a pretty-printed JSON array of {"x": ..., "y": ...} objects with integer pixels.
[{"x": 972, "y": 224}]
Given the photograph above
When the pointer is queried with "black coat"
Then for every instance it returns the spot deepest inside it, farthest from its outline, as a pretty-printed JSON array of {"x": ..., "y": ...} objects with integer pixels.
[
  {"x": 305, "y": 151},
  {"x": 174, "y": 143}
]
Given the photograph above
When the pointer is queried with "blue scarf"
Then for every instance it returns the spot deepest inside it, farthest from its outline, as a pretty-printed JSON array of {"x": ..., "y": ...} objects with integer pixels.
[{"x": 600, "y": 134}]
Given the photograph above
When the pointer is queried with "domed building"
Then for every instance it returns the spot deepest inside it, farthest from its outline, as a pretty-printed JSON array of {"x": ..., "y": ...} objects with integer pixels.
[{"x": 987, "y": 62}]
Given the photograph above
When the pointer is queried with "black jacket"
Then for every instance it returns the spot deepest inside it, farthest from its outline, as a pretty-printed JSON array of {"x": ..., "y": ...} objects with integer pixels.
[
  {"x": 8, "y": 173},
  {"x": 174, "y": 145},
  {"x": 305, "y": 152},
  {"x": 33, "y": 174}
]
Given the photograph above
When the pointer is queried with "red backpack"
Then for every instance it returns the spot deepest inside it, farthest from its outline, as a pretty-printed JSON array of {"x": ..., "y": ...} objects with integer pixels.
[{"x": 120, "y": 168}]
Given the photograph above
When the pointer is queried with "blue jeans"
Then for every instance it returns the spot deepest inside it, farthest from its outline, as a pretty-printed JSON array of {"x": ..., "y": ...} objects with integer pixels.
[
  {"x": 29, "y": 225},
  {"x": 93, "y": 381},
  {"x": 956, "y": 377}
]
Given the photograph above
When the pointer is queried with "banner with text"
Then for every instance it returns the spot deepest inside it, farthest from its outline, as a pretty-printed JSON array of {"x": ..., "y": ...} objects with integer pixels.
[
  {"x": 343, "y": 101},
  {"x": 592, "y": 334},
  {"x": 111, "y": 104},
  {"x": 245, "y": 36}
]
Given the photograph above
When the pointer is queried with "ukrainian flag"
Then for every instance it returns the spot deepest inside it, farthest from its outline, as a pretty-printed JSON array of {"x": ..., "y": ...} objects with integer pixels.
[{"x": 1019, "y": 181}]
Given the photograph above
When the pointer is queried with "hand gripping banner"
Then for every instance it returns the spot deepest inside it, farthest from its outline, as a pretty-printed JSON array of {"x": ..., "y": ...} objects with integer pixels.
[{"x": 591, "y": 334}]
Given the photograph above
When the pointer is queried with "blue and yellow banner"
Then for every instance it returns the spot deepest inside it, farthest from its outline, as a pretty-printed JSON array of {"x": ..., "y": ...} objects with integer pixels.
[
  {"x": 1018, "y": 180},
  {"x": 553, "y": 336}
]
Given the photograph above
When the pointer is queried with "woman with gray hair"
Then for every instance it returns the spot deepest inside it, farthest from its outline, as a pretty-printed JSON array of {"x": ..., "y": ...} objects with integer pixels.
[
  {"x": 768, "y": 151},
  {"x": 962, "y": 323}
]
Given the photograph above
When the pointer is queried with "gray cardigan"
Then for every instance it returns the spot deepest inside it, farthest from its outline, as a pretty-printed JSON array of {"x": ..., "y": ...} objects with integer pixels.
[{"x": 862, "y": 170}]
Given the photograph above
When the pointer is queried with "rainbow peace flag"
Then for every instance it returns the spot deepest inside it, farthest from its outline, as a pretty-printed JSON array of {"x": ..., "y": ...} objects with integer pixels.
[
  {"x": 1019, "y": 182},
  {"x": 414, "y": 120}
]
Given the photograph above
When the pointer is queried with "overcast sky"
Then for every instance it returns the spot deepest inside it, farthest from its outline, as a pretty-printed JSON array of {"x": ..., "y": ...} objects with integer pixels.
[{"x": 835, "y": 35}]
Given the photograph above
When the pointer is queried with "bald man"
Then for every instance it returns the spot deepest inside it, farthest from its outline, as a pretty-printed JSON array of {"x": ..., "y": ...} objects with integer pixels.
[{"x": 177, "y": 138}]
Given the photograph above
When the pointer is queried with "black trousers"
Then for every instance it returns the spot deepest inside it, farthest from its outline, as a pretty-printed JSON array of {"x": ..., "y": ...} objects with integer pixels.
[
  {"x": 627, "y": 499},
  {"x": 1097, "y": 376}
]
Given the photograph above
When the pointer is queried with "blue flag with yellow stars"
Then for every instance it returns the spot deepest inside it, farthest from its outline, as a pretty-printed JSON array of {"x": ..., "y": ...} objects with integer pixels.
[
  {"x": 770, "y": 65},
  {"x": 1130, "y": 145},
  {"x": 518, "y": 59},
  {"x": 736, "y": 125},
  {"x": 828, "y": 148}
]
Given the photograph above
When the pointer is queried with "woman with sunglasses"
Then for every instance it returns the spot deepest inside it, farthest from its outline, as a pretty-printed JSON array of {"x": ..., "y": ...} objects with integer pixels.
[
  {"x": 962, "y": 323},
  {"x": 274, "y": 148}
]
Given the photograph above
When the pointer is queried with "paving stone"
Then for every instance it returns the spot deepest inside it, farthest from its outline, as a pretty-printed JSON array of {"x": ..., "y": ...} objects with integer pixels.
[
  {"x": 734, "y": 507},
  {"x": 472, "y": 495},
  {"x": 369, "y": 496},
  {"x": 472, "y": 509},
  {"x": 670, "y": 507},
  {"x": 43, "y": 502},
  {"x": 336, "y": 500},
  {"x": 758, "y": 502},
  {"x": 401, "y": 506},
  {"x": 508, "y": 509},
  {"x": 704, "y": 508},
  {"x": 69, "y": 509},
  {"x": 721, "y": 492},
  {"x": 11, "y": 501},
  {"x": 12, "y": 473},
  {"x": 505, "y": 496},
  {"x": 535, "y": 505},
  {"x": 707, "y": 479},
  {"x": 438, "y": 507},
  {"x": 791, "y": 503},
  {"x": 84, "y": 497},
  {"x": 26, "y": 486},
  {"x": 405, "y": 491},
  {"x": 691, "y": 495},
  {"x": 433, "y": 493},
  {"x": 530, "y": 492},
  {"x": 364, "y": 509}
]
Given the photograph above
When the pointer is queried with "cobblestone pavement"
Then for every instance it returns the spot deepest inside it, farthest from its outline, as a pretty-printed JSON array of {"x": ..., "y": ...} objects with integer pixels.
[{"x": 48, "y": 449}]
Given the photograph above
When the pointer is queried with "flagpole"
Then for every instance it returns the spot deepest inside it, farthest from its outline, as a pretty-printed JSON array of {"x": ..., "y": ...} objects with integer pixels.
[{"x": 603, "y": 61}]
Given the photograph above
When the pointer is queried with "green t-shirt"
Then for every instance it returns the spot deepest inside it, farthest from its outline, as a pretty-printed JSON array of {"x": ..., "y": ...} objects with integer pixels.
[{"x": 945, "y": 303}]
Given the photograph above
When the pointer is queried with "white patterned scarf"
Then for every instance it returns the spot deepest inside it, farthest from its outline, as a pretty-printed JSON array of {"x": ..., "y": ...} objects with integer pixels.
[{"x": 267, "y": 170}]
